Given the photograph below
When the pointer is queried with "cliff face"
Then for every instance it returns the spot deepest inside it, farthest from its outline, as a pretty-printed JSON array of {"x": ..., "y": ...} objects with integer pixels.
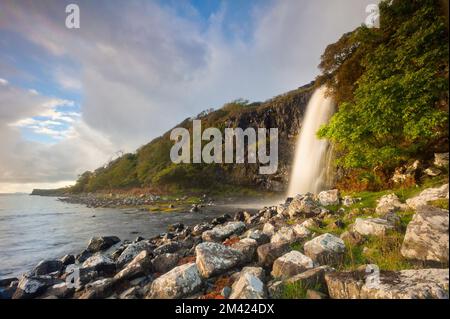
[{"x": 151, "y": 166}]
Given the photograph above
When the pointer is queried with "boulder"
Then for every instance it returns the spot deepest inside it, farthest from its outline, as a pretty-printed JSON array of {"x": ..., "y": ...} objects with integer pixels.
[
  {"x": 140, "y": 265},
  {"x": 47, "y": 266},
  {"x": 32, "y": 286},
  {"x": 131, "y": 293},
  {"x": 404, "y": 284},
  {"x": 348, "y": 201},
  {"x": 60, "y": 291},
  {"x": 311, "y": 278},
  {"x": 303, "y": 230},
  {"x": 220, "y": 233},
  {"x": 165, "y": 262},
  {"x": 268, "y": 229},
  {"x": 260, "y": 237},
  {"x": 372, "y": 226},
  {"x": 427, "y": 195},
  {"x": 99, "y": 289},
  {"x": 267, "y": 253},
  {"x": 100, "y": 263},
  {"x": 180, "y": 282},
  {"x": 291, "y": 264},
  {"x": 303, "y": 206},
  {"x": 285, "y": 234},
  {"x": 389, "y": 203},
  {"x": 168, "y": 248},
  {"x": 132, "y": 251},
  {"x": 441, "y": 159},
  {"x": 214, "y": 258},
  {"x": 432, "y": 171},
  {"x": 68, "y": 260},
  {"x": 247, "y": 247},
  {"x": 426, "y": 238},
  {"x": 330, "y": 197},
  {"x": 249, "y": 284},
  {"x": 97, "y": 244},
  {"x": 325, "y": 249}
]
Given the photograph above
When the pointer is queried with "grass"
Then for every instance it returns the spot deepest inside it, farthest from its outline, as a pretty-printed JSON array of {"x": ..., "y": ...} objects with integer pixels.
[
  {"x": 383, "y": 251},
  {"x": 439, "y": 203},
  {"x": 297, "y": 290}
]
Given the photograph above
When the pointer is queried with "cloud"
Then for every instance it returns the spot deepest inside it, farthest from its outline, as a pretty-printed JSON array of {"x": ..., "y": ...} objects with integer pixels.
[{"x": 142, "y": 68}]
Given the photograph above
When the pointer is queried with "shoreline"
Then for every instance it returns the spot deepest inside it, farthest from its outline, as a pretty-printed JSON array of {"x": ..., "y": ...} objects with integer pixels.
[{"x": 279, "y": 246}]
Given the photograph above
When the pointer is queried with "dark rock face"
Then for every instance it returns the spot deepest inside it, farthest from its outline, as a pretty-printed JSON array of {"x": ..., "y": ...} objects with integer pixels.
[
  {"x": 97, "y": 244},
  {"x": 47, "y": 266}
]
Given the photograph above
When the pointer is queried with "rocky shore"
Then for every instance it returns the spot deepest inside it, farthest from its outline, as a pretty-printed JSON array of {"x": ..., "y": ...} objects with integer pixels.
[{"x": 311, "y": 246}]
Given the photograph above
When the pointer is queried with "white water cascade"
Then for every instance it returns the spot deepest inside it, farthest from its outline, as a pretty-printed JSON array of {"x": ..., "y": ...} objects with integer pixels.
[{"x": 311, "y": 165}]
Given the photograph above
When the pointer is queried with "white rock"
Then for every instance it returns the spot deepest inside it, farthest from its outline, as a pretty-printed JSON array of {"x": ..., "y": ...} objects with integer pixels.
[
  {"x": 427, "y": 195},
  {"x": 249, "y": 284},
  {"x": 268, "y": 229},
  {"x": 426, "y": 237},
  {"x": 389, "y": 203},
  {"x": 372, "y": 226},
  {"x": 214, "y": 258},
  {"x": 285, "y": 234},
  {"x": 132, "y": 251},
  {"x": 221, "y": 232},
  {"x": 330, "y": 197},
  {"x": 291, "y": 264},
  {"x": 325, "y": 249},
  {"x": 180, "y": 282}
]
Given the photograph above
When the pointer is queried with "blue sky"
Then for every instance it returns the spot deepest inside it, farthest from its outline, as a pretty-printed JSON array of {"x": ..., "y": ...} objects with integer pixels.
[{"x": 72, "y": 98}]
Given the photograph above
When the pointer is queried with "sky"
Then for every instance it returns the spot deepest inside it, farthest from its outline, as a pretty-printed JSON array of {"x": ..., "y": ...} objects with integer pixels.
[{"x": 72, "y": 99}]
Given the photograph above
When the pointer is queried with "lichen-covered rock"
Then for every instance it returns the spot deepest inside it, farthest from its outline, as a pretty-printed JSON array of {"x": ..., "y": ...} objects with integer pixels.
[
  {"x": 220, "y": 233},
  {"x": 303, "y": 230},
  {"x": 47, "y": 266},
  {"x": 325, "y": 249},
  {"x": 180, "y": 282},
  {"x": 140, "y": 265},
  {"x": 304, "y": 206},
  {"x": 285, "y": 234},
  {"x": 99, "y": 289},
  {"x": 260, "y": 237},
  {"x": 404, "y": 284},
  {"x": 426, "y": 238},
  {"x": 441, "y": 159},
  {"x": 247, "y": 247},
  {"x": 168, "y": 248},
  {"x": 311, "y": 278},
  {"x": 267, "y": 253},
  {"x": 32, "y": 286},
  {"x": 291, "y": 264},
  {"x": 389, "y": 203},
  {"x": 330, "y": 197},
  {"x": 165, "y": 262},
  {"x": 427, "y": 195},
  {"x": 372, "y": 226},
  {"x": 214, "y": 258},
  {"x": 249, "y": 284},
  {"x": 268, "y": 229},
  {"x": 132, "y": 251},
  {"x": 100, "y": 263},
  {"x": 97, "y": 244}
]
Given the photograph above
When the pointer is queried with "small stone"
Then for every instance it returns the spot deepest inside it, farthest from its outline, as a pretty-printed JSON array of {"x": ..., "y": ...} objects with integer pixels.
[
  {"x": 214, "y": 258},
  {"x": 249, "y": 284},
  {"x": 47, "y": 266},
  {"x": 330, "y": 197},
  {"x": 97, "y": 244},
  {"x": 220, "y": 233},
  {"x": 267, "y": 253},
  {"x": 180, "y": 282},
  {"x": 326, "y": 249},
  {"x": 372, "y": 226},
  {"x": 291, "y": 264}
]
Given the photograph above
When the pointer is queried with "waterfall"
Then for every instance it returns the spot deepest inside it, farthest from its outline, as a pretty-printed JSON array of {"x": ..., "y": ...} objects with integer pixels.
[{"x": 310, "y": 171}]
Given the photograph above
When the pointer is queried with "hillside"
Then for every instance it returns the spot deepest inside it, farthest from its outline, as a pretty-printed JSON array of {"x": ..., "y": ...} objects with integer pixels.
[{"x": 150, "y": 166}]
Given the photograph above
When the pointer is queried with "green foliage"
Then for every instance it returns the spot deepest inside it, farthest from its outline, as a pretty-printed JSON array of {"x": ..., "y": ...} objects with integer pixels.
[
  {"x": 398, "y": 106},
  {"x": 297, "y": 290}
]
